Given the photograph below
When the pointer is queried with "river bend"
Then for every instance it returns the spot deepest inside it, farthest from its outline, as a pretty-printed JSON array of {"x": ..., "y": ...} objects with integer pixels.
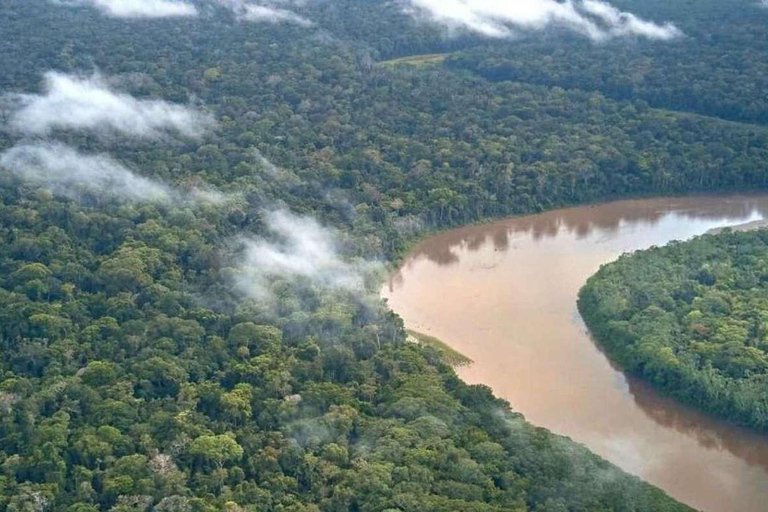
[{"x": 504, "y": 294}]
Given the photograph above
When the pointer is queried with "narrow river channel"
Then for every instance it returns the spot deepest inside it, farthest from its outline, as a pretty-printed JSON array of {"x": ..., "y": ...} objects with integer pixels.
[{"x": 504, "y": 294}]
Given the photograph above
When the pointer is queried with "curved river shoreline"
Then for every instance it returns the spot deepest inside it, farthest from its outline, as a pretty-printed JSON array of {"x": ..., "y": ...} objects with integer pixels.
[{"x": 504, "y": 294}]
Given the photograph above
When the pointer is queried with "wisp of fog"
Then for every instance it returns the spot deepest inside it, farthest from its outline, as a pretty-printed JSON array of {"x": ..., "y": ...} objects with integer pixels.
[
  {"x": 90, "y": 103},
  {"x": 595, "y": 19},
  {"x": 265, "y": 11},
  {"x": 300, "y": 248},
  {"x": 69, "y": 173},
  {"x": 262, "y": 13},
  {"x": 137, "y": 8}
]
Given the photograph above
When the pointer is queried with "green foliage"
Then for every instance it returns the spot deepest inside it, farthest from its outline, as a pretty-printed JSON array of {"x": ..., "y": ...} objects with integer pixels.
[
  {"x": 692, "y": 318},
  {"x": 216, "y": 449},
  {"x": 257, "y": 338}
]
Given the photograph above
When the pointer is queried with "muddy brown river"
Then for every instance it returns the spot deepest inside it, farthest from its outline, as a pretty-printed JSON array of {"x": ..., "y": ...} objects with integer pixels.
[{"x": 504, "y": 294}]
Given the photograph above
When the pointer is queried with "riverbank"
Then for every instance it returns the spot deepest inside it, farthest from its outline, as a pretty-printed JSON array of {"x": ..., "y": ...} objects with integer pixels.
[{"x": 449, "y": 356}]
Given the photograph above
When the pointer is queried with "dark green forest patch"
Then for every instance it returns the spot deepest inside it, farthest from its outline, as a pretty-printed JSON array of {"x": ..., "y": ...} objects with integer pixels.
[{"x": 692, "y": 318}]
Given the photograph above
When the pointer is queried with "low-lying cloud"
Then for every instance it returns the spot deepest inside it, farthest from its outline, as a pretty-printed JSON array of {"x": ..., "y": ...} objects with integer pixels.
[
  {"x": 265, "y": 11},
  {"x": 67, "y": 172},
  {"x": 137, "y": 8},
  {"x": 89, "y": 103},
  {"x": 300, "y": 248},
  {"x": 595, "y": 19},
  {"x": 262, "y": 13}
]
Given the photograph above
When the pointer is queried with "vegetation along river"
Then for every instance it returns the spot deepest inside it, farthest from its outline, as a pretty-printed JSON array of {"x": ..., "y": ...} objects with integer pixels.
[{"x": 504, "y": 294}]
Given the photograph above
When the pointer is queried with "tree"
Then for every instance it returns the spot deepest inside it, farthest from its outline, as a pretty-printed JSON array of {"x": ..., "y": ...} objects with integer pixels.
[
  {"x": 215, "y": 449},
  {"x": 258, "y": 338}
]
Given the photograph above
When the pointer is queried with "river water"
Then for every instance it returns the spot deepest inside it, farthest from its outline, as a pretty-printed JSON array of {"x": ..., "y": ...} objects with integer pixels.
[{"x": 504, "y": 294}]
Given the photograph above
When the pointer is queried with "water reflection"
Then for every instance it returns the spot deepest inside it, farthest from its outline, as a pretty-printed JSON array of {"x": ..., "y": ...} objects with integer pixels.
[
  {"x": 584, "y": 221},
  {"x": 504, "y": 294},
  {"x": 709, "y": 432}
]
